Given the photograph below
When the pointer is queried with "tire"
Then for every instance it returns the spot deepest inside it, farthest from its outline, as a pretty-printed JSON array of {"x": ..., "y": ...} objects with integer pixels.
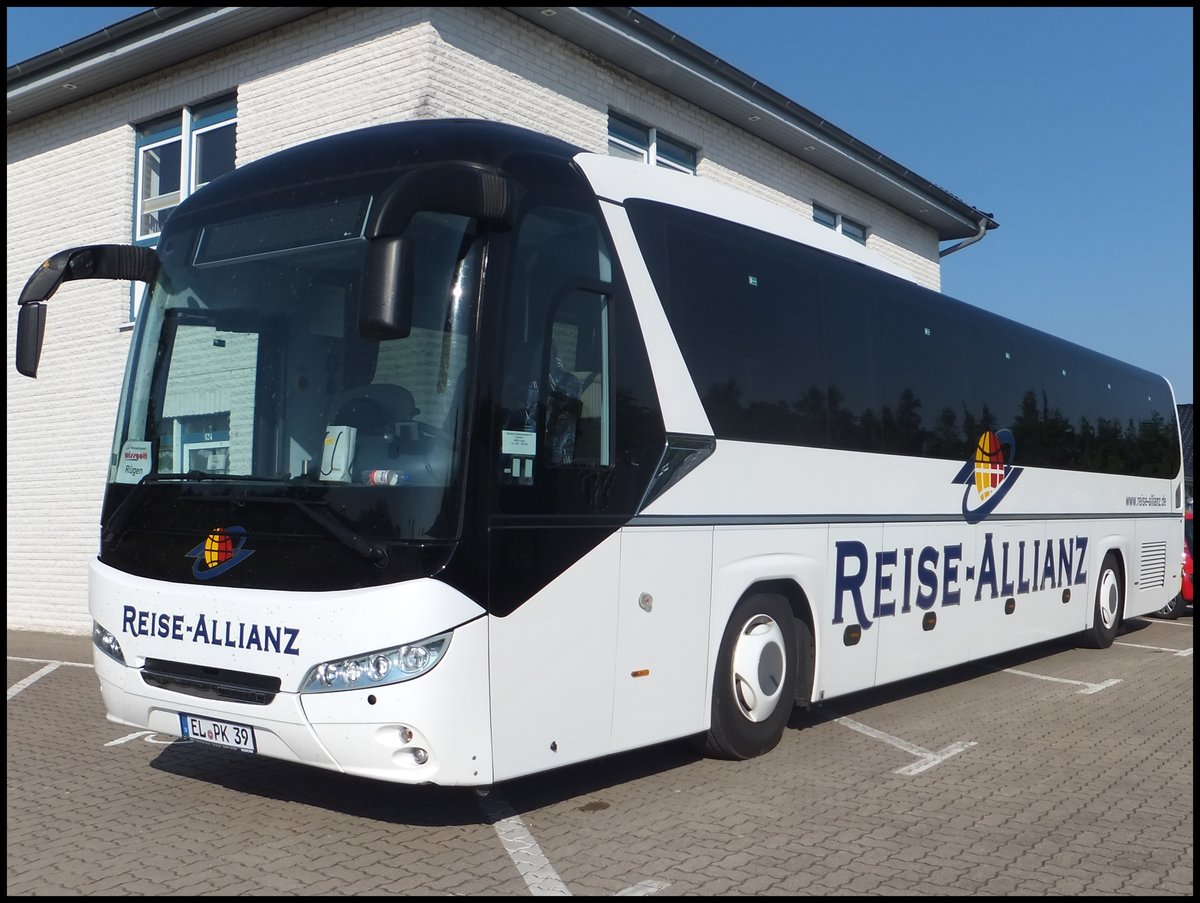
[
  {"x": 1172, "y": 609},
  {"x": 755, "y": 681},
  {"x": 1109, "y": 607}
]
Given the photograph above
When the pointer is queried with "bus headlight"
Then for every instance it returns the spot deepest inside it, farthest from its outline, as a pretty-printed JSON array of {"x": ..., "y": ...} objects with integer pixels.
[
  {"x": 107, "y": 643},
  {"x": 377, "y": 669}
]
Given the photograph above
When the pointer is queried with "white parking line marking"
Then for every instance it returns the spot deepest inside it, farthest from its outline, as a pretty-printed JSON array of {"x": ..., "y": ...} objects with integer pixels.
[
  {"x": 31, "y": 679},
  {"x": 148, "y": 736},
  {"x": 129, "y": 737},
  {"x": 1182, "y": 653},
  {"x": 642, "y": 889},
  {"x": 17, "y": 658},
  {"x": 926, "y": 758},
  {"x": 540, "y": 876},
  {"x": 1088, "y": 688}
]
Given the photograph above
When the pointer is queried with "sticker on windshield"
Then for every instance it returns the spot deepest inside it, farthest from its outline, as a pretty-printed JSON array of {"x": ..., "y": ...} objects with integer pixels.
[
  {"x": 518, "y": 442},
  {"x": 134, "y": 462}
]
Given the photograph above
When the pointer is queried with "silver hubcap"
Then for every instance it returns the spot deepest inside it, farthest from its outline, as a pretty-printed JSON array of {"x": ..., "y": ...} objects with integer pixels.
[
  {"x": 1110, "y": 599},
  {"x": 758, "y": 663}
]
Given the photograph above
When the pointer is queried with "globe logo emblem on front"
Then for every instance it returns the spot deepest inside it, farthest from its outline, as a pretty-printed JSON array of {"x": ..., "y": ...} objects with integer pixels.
[
  {"x": 218, "y": 548},
  {"x": 988, "y": 474},
  {"x": 221, "y": 550}
]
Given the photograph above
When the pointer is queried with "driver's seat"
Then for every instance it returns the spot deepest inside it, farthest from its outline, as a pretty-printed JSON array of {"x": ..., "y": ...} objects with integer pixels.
[
  {"x": 373, "y": 408},
  {"x": 378, "y": 412}
]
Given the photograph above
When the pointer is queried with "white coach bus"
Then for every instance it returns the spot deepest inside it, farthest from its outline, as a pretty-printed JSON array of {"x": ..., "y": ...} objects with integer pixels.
[{"x": 450, "y": 453}]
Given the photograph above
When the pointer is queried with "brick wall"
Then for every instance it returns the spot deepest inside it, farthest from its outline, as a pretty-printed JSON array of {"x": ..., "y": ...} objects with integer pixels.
[{"x": 70, "y": 181}]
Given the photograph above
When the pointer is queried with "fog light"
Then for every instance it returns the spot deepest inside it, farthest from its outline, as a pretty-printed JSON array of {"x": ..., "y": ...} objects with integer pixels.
[
  {"x": 406, "y": 735},
  {"x": 420, "y": 756}
]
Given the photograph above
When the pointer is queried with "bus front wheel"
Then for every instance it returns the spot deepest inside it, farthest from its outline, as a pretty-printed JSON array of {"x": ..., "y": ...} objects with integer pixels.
[
  {"x": 1109, "y": 607},
  {"x": 755, "y": 679}
]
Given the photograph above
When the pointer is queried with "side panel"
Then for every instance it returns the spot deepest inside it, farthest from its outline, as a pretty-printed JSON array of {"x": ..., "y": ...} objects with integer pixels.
[
  {"x": 922, "y": 601},
  {"x": 844, "y": 666},
  {"x": 748, "y": 554},
  {"x": 662, "y": 635},
  {"x": 551, "y": 669},
  {"x": 1154, "y": 576}
]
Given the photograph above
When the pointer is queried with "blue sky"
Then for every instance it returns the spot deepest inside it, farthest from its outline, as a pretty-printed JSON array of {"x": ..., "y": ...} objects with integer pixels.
[{"x": 1073, "y": 127}]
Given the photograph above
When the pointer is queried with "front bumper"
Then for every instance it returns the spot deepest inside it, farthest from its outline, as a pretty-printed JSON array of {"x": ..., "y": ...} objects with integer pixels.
[{"x": 371, "y": 732}]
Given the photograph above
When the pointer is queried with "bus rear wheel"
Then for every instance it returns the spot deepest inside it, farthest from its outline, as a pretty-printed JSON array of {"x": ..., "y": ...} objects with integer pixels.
[
  {"x": 755, "y": 680},
  {"x": 1172, "y": 609},
  {"x": 1109, "y": 607}
]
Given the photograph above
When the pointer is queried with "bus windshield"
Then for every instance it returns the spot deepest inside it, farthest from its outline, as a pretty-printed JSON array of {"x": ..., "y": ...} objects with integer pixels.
[{"x": 250, "y": 365}]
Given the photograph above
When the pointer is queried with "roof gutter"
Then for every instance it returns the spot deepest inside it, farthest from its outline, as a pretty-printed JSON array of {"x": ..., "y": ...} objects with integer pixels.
[
  {"x": 103, "y": 47},
  {"x": 983, "y": 227}
]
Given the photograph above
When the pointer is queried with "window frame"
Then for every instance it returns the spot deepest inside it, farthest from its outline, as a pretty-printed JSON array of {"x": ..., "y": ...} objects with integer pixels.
[
  {"x": 185, "y": 127},
  {"x": 649, "y": 152},
  {"x": 843, "y": 225}
]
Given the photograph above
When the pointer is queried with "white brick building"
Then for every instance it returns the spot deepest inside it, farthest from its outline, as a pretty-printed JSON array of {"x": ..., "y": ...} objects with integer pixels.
[{"x": 80, "y": 117}]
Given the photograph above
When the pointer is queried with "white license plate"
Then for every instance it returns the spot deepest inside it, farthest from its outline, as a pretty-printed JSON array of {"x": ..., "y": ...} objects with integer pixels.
[{"x": 222, "y": 733}]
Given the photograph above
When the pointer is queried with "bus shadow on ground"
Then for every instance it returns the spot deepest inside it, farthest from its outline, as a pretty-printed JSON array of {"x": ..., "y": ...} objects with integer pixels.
[
  {"x": 864, "y": 700},
  {"x": 402, "y": 804}
]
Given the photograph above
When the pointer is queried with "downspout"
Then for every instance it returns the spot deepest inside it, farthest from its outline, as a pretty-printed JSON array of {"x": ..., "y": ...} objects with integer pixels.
[{"x": 966, "y": 241}]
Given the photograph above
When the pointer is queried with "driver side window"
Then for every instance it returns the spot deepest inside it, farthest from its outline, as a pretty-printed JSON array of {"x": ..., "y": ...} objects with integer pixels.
[
  {"x": 580, "y": 428},
  {"x": 577, "y": 424},
  {"x": 557, "y": 357}
]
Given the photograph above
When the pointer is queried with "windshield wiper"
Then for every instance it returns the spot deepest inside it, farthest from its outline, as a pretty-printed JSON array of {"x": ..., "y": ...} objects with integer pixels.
[
  {"x": 121, "y": 514},
  {"x": 204, "y": 475},
  {"x": 334, "y": 527},
  {"x": 339, "y": 531}
]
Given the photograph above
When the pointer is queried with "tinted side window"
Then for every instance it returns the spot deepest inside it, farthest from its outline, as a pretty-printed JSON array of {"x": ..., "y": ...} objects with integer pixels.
[
  {"x": 926, "y": 381},
  {"x": 746, "y": 315},
  {"x": 852, "y": 344},
  {"x": 792, "y": 345}
]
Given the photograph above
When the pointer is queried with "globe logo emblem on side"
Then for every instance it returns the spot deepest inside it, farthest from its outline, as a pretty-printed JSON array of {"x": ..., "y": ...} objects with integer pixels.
[
  {"x": 988, "y": 474},
  {"x": 989, "y": 465}
]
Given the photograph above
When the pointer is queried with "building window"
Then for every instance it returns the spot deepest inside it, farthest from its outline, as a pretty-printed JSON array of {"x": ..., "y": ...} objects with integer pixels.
[
  {"x": 839, "y": 223},
  {"x": 854, "y": 230},
  {"x": 635, "y": 141},
  {"x": 176, "y": 155}
]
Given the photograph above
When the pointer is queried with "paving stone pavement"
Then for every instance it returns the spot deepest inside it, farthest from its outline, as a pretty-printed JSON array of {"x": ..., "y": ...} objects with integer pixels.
[{"x": 1064, "y": 772}]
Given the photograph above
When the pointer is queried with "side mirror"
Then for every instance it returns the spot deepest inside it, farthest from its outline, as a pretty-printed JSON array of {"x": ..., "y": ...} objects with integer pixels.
[
  {"x": 31, "y": 330},
  {"x": 89, "y": 262},
  {"x": 387, "y": 297},
  {"x": 460, "y": 189}
]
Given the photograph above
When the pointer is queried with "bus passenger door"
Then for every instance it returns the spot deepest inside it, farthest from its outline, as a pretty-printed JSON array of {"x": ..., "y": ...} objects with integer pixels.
[
  {"x": 577, "y": 437},
  {"x": 554, "y": 557},
  {"x": 662, "y": 634}
]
